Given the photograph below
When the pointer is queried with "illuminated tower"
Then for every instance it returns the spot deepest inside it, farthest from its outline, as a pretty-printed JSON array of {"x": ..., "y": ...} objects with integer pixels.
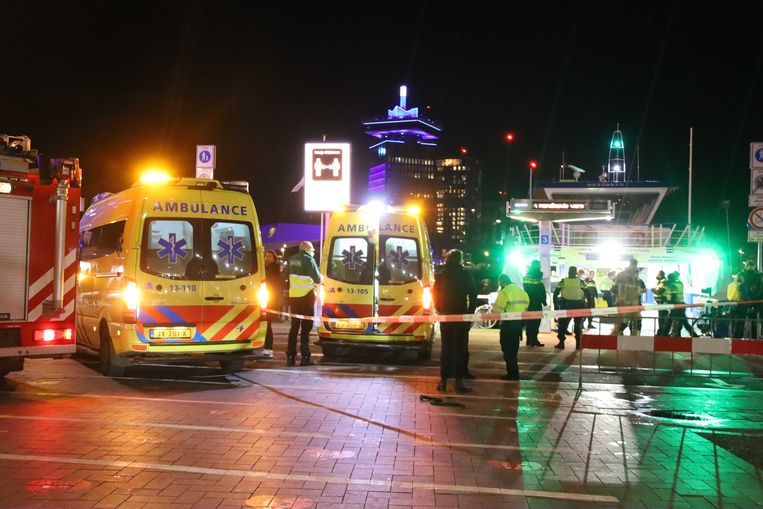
[
  {"x": 403, "y": 154},
  {"x": 616, "y": 159}
]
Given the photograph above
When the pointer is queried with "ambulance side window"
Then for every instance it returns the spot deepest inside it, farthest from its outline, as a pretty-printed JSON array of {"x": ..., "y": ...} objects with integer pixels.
[
  {"x": 400, "y": 260},
  {"x": 88, "y": 244},
  {"x": 110, "y": 239},
  {"x": 167, "y": 247},
  {"x": 349, "y": 260},
  {"x": 232, "y": 248}
]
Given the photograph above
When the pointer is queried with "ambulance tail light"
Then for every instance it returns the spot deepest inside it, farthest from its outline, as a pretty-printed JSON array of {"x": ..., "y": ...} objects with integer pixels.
[
  {"x": 263, "y": 295},
  {"x": 131, "y": 297},
  {"x": 426, "y": 299},
  {"x": 53, "y": 336}
]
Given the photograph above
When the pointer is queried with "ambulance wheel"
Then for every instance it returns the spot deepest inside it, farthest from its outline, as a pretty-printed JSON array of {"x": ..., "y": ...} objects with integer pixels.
[
  {"x": 232, "y": 365},
  {"x": 111, "y": 365}
]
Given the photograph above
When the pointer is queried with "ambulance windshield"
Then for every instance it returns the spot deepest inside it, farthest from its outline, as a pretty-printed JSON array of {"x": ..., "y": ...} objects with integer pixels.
[
  {"x": 349, "y": 260},
  {"x": 400, "y": 262}
]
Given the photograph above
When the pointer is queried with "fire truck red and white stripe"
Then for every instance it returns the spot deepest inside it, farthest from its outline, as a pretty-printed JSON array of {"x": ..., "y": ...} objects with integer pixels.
[{"x": 41, "y": 290}]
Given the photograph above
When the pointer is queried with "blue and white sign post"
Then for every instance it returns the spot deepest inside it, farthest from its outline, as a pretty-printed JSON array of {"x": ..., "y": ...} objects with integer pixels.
[
  {"x": 755, "y": 229},
  {"x": 206, "y": 158}
]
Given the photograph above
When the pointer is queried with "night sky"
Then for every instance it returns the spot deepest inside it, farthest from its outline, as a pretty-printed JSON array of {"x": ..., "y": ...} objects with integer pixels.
[{"x": 125, "y": 84}]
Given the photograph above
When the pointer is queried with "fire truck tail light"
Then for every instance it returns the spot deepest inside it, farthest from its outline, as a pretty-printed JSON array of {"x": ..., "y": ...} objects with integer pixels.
[
  {"x": 263, "y": 295},
  {"x": 53, "y": 335},
  {"x": 131, "y": 295},
  {"x": 426, "y": 299}
]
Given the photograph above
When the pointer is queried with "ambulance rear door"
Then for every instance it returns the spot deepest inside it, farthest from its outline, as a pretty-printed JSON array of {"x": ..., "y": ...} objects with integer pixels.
[
  {"x": 348, "y": 284},
  {"x": 229, "y": 291},
  {"x": 400, "y": 271}
]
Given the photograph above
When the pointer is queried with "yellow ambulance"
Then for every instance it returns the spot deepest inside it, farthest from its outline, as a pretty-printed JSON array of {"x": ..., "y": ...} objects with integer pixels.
[
  {"x": 376, "y": 261},
  {"x": 171, "y": 268}
]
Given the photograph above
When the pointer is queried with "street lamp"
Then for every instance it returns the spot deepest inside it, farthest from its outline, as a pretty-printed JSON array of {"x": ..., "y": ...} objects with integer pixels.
[{"x": 533, "y": 167}]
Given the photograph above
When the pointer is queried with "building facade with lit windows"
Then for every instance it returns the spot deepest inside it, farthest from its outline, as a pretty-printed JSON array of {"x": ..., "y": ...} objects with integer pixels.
[{"x": 408, "y": 165}]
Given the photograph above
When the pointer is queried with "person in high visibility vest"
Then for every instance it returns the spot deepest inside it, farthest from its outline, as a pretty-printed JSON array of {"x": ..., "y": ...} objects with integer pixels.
[
  {"x": 627, "y": 290},
  {"x": 303, "y": 276},
  {"x": 736, "y": 292},
  {"x": 510, "y": 299},
  {"x": 606, "y": 288},
  {"x": 674, "y": 291},
  {"x": 570, "y": 294}
]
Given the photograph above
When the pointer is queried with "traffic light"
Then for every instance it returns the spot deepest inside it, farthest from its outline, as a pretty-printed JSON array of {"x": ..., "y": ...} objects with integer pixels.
[
  {"x": 509, "y": 137},
  {"x": 464, "y": 150},
  {"x": 533, "y": 165}
]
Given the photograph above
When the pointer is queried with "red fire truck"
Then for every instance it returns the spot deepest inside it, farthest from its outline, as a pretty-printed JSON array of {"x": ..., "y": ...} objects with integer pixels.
[{"x": 39, "y": 217}]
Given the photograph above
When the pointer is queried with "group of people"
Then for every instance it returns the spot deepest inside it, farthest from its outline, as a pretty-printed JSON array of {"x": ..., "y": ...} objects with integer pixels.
[{"x": 747, "y": 285}]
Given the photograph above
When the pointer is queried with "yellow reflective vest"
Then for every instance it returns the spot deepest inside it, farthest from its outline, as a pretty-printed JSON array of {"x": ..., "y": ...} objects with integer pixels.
[
  {"x": 303, "y": 274},
  {"x": 510, "y": 299},
  {"x": 572, "y": 288}
]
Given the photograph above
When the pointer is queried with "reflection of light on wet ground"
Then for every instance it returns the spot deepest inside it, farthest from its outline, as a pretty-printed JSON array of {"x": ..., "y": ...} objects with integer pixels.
[
  {"x": 325, "y": 453},
  {"x": 512, "y": 466},
  {"x": 42, "y": 486}
]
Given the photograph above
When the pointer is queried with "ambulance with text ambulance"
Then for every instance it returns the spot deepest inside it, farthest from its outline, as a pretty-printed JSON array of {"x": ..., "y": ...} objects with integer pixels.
[
  {"x": 376, "y": 261},
  {"x": 171, "y": 269}
]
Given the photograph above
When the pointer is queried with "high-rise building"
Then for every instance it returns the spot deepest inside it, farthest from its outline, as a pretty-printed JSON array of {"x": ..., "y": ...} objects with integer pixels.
[{"x": 408, "y": 165}]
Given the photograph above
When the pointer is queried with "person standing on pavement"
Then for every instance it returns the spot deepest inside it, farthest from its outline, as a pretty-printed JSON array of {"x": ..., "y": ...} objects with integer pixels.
[
  {"x": 674, "y": 291},
  {"x": 273, "y": 282},
  {"x": 627, "y": 290},
  {"x": 606, "y": 288},
  {"x": 754, "y": 289},
  {"x": 663, "y": 320},
  {"x": 510, "y": 299},
  {"x": 303, "y": 276},
  {"x": 454, "y": 293},
  {"x": 591, "y": 294},
  {"x": 570, "y": 294},
  {"x": 533, "y": 285},
  {"x": 736, "y": 292}
]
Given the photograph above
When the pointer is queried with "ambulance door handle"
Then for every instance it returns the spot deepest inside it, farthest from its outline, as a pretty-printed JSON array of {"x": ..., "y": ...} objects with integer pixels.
[
  {"x": 387, "y": 299},
  {"x": 214, "y": 298}
]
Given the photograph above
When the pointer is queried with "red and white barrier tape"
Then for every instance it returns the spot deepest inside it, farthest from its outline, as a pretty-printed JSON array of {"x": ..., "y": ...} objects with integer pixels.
[
  {"x": 726, "y": 346},
  {"x": 523, "y": 315}
]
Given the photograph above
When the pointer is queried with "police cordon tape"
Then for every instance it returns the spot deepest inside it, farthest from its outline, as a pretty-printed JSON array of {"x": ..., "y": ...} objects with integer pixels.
[{"x": 523, "y": 315}]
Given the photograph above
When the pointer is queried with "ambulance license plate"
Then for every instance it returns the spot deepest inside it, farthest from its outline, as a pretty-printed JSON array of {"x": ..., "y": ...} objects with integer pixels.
[
  {"x": 349, "y": 324},
  {"x": 170, "y": 333}
]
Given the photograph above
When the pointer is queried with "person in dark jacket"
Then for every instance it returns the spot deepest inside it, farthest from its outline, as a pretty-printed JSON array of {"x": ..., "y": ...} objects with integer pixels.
[
  {"x": 533, "y": 285},
  {"x": 273, "y": 280},
  {"x": 591, "y": 294},
  {"x": 454, "y": 293}
]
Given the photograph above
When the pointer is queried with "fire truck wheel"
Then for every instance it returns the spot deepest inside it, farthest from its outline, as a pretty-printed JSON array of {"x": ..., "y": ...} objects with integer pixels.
[
  {"x": 232, "y": 365},
  {"x": 111, "y": 365}
]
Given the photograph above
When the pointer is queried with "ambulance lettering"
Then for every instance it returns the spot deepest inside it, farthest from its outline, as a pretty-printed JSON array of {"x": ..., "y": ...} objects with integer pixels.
[
  {"x": 354, "y": 228},
  {"x": 398, "y": 228},
  {"x": 203, "y": 208}
]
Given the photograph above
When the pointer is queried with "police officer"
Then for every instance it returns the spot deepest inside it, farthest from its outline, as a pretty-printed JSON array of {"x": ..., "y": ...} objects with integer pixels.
[
  {"x": 660, "y": 297},
  {"x": 674, "y": 291},
  {"x": 606, "y": 288},
  {"x": 570, "y": 294},
  {"x": 533, "y": 285},
  {"x": 303, "y": 276},
  {"x": 510, "y": 299}
]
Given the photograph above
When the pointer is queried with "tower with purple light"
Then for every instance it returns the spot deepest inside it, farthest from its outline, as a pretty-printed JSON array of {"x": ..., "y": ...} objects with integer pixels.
[
  {"x": 407, "y": 164},
  {"x": 402, "y": 154}
]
